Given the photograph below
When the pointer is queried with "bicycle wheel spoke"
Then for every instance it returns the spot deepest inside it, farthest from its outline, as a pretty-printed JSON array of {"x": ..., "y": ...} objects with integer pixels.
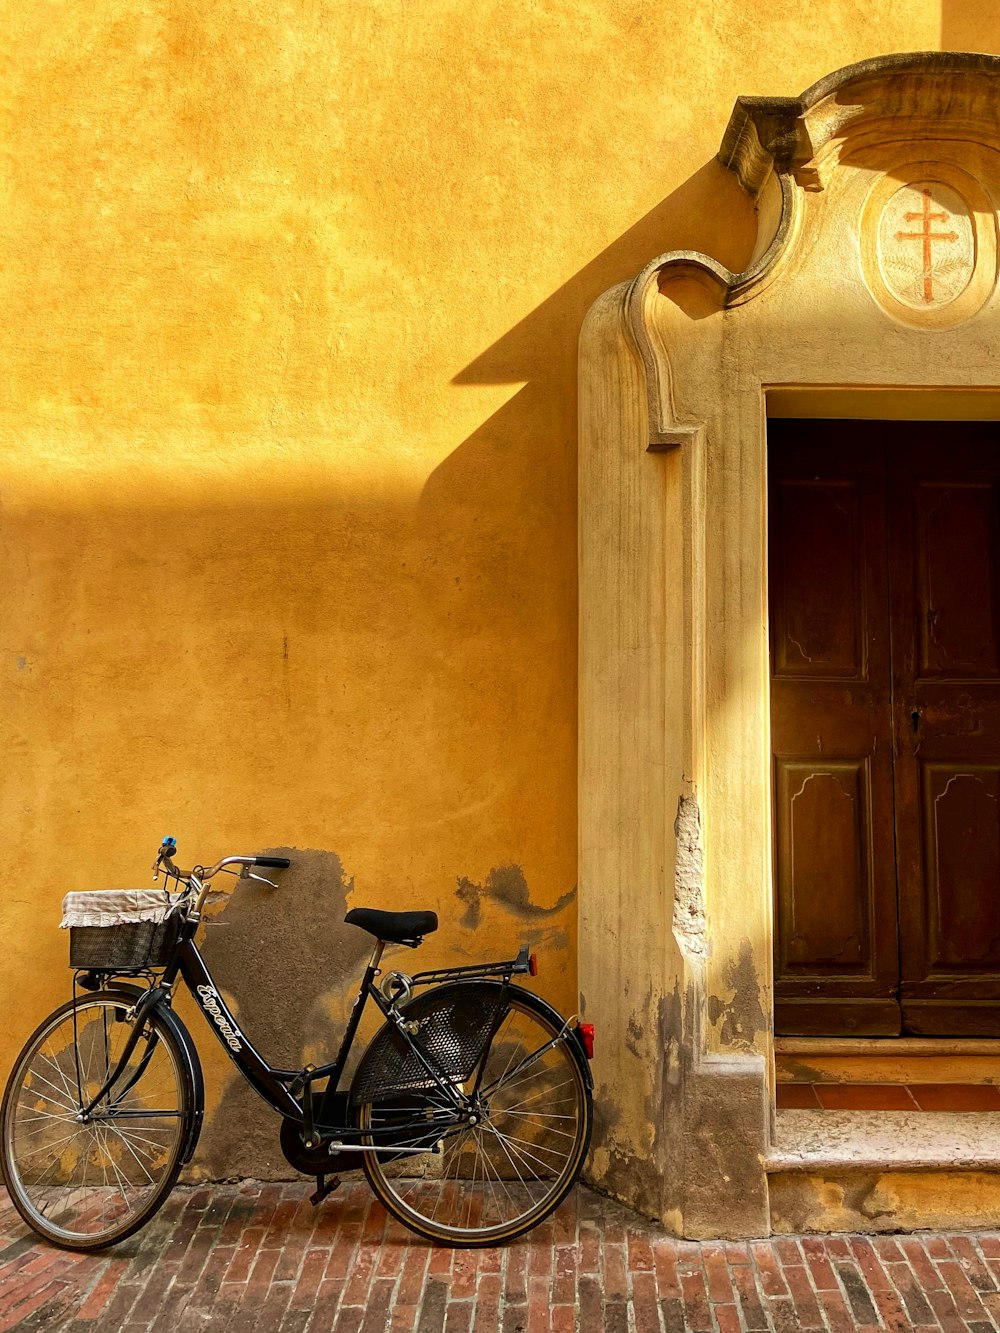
[
  {"x": 489, "y": 1179},
  {"x": 53, "y": 1143},
  {"x": 69, "y": 1092},
  {"x": 513, "y": 1139},
  {"x": 561, "y": 1133},
  {"x": 58, "y": 1091},
  {"x": 518, "y": 1153},
  {"x": 543, "y": 1092},
  {"x": 114, "y": 1168},
  {"x": 47, "y": 1115},
  {"x": 132, "y": 1137},
  {"x": 539, "y": 1115},
  {"x": 115, "y": 1130},
  {"x": 510, "y": 1159},
  {"x": 47, "y": 1128},
  {"x": 498, "y": 1043},
  {"x": 523, "y": 1067}
]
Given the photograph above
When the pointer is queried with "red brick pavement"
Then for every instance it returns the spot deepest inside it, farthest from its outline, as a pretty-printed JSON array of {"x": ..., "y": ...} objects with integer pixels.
[{"x": 257, "y": 1258}]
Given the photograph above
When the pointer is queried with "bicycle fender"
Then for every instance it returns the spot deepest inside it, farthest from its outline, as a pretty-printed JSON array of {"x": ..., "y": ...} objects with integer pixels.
[
  {"x": 190, "y": 1058},
  {"x": 194, "y": 1074},
  {"x": 572, "y": 1036},
  {"x": 573, "y": 1040}
]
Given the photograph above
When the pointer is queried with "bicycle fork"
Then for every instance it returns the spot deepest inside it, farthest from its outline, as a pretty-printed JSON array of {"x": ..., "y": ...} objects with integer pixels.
[{"x": 136, "y": 1016}]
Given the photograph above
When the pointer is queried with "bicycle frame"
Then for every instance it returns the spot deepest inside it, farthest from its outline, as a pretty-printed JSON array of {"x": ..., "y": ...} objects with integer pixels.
[{"x": 277, "y": 1086}]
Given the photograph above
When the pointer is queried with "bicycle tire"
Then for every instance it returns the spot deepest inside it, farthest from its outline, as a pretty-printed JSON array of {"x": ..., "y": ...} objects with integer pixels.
[
  {"x": 84, "y": 1186},
  {"x": 484, "y": 1184}
]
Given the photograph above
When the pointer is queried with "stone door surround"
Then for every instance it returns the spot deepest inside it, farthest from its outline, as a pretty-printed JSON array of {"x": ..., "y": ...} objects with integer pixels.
[{"x": 872, "y": 291}]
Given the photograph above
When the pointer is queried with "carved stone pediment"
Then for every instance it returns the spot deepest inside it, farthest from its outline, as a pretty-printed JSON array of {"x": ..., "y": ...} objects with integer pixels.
[{"x": 876, "y": 192}]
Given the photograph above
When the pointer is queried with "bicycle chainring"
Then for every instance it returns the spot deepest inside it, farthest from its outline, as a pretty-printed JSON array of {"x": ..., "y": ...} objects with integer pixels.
[{"x": 314, "y": 1161}]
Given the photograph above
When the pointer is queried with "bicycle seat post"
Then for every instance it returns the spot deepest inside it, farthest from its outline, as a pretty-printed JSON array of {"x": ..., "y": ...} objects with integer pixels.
[{"x": 327, "y": 1102}]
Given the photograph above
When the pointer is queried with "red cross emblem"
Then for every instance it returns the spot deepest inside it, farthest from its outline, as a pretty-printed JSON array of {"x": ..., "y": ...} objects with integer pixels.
[{"x": 926, "y": 236}]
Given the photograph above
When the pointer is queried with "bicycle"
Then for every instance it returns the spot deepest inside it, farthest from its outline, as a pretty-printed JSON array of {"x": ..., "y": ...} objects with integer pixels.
[{"x": 470, "y": 1111}]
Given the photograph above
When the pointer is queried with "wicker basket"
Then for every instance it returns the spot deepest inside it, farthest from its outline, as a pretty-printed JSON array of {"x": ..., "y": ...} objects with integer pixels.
[{"x": 130, "y": 946}]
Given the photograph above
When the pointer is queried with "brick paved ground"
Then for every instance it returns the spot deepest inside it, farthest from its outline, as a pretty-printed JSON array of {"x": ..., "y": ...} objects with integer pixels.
[{"x": 245, "y": 1258}]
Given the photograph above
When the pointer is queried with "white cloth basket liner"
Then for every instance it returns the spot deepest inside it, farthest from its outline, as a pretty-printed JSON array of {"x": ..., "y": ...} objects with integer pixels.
[{"x": 117, "y": 907}]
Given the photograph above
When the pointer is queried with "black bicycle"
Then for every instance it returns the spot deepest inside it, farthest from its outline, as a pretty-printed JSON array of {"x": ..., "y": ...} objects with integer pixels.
[{"x": 470, "y": 1111}]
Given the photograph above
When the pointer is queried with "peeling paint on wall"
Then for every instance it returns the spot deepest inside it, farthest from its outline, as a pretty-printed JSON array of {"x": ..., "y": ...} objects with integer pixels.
[
  {"x": 689, "y": 878},
  {"x": 507, "y": 886},
  {"x": 742, "y": 1017}
]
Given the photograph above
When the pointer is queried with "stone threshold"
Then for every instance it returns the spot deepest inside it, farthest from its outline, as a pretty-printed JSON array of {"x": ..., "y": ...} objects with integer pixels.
[{"x": 814, "y": 1141}]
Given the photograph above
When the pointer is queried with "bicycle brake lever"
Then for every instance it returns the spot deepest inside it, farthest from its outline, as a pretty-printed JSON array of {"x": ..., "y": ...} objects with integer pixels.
[{"x": 248, "y": 874}]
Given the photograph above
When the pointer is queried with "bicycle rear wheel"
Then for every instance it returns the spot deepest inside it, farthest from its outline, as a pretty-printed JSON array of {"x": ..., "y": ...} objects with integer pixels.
[
  {"x": 84, "y": 1185},
  {"x": 470, "y": 1184}
]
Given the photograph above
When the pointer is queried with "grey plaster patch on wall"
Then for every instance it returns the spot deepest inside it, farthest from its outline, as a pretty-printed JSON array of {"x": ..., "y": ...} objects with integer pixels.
[
  {"x": 647, "y": 1188},
  {"x": 634, "y": 1034},
  {"x": 669, "y": 1024},
  {"x": 689, "y": 878},
  {"x": 742, "y": 1018},
  {"x": 285, "y": 955},
  {"x": 507, "y": 886}
]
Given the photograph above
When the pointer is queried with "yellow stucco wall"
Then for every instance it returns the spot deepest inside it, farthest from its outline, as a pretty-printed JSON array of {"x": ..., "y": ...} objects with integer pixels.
[{"x": 291, "y": 296}]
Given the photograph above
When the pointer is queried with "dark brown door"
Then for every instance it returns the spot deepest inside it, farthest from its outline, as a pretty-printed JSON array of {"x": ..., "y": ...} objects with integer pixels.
[{"x": 885, "y": 718}]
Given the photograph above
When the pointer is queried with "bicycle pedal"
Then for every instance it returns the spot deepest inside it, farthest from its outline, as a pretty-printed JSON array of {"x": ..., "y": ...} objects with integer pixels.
[{"x": 323, "y": 1188}]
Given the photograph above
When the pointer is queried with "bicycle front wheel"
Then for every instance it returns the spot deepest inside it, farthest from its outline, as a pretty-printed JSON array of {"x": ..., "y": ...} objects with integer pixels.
[
  {"x": 482, "y": 1183},
  {"x": 88, "y": 1179}
]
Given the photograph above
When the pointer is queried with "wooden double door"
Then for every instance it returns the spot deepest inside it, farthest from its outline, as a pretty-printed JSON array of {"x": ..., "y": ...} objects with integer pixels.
[{"x": 884, "y": 592}]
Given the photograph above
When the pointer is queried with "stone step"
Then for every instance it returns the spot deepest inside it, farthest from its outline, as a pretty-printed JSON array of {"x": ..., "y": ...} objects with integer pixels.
[{"x": 831, "y": 1171}]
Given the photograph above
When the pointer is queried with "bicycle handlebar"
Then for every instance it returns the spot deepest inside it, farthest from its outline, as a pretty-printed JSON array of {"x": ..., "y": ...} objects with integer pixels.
[{"x": 200, "y": 875}]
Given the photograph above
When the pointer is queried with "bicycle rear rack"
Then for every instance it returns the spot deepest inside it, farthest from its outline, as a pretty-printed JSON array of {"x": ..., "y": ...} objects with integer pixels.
[{"x": 522, "y": 965}]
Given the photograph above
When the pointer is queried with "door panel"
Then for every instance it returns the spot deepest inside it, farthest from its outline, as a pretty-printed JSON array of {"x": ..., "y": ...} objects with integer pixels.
[
  {"x": 836, "y": 952},
  {"x": 944, "y": 542},
  {"x": 824, "y": 869},
  {"x": 819, "y": 544},
  {"x": 960, "y": 811},
  {"x": 956, "y": 538}
]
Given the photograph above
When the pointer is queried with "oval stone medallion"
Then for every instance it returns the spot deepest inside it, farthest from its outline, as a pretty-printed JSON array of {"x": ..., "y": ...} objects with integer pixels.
[{"x": 926, "y": 245}]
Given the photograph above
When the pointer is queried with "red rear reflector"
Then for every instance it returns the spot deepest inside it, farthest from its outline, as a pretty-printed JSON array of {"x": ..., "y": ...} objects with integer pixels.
[
  {"x": 586, "y": 1031},
  {"x": 533, "y": 964}
]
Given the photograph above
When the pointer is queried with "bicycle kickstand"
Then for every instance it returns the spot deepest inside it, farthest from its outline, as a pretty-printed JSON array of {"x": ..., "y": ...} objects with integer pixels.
[{"x": 324, "y": 1187}]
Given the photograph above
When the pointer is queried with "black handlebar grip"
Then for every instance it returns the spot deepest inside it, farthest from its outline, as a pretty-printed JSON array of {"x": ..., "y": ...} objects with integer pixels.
[{"x": 275, "y": 862}]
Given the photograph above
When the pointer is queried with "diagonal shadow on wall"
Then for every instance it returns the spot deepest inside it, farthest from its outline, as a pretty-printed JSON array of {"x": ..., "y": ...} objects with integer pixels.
[{"x": 528, "y": 449}]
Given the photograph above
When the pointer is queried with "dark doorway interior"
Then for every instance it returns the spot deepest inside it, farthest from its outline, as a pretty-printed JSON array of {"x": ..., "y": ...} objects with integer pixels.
[{"x": 884, "y": 574}]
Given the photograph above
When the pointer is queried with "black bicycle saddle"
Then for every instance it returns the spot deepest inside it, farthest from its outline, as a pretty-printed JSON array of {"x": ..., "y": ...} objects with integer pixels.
[{"x": 394, "y": 927}]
